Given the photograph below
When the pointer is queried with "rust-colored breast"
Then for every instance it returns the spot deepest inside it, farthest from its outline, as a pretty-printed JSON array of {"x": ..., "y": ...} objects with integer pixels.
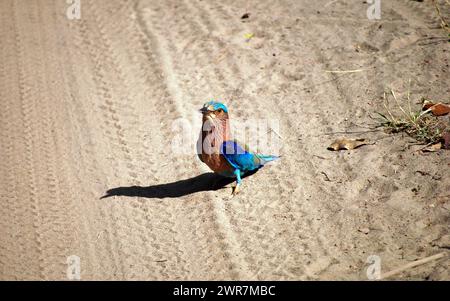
[
  {"x": 212, "y": 141},
  {"x": 218, "y": 164}
]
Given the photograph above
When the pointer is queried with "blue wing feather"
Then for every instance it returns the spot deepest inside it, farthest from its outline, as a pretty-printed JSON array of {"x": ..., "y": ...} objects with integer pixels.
[{"x": 240, "y": 158}]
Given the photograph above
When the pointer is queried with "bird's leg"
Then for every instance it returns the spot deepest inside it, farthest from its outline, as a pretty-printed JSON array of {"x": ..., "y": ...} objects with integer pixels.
[{"x": 237, "y": 172}]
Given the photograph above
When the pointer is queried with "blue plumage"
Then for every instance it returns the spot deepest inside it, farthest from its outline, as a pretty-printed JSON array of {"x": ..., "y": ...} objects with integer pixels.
[{"x": 214, "y": 106}]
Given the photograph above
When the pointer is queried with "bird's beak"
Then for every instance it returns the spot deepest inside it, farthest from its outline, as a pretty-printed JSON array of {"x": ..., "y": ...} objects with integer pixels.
[{"x": 206, "y": 109}]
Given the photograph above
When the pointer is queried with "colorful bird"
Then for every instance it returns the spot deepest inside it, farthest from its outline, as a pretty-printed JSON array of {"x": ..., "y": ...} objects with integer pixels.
[{"x": 223, "y": 155}]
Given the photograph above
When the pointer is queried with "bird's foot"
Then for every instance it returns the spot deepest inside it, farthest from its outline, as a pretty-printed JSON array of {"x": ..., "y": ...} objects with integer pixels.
[{"x": 235, "y": 190}]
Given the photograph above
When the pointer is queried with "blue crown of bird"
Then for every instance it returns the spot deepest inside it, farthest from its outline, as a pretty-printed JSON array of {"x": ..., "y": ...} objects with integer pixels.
[{"x": 223, "y": 155}]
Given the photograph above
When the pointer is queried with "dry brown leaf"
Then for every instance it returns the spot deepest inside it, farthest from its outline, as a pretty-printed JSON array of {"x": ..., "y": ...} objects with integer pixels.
[
  {"x": 348, "y": 144},
  {"x": 438, "y": 109},
  {"x": 432, "y": 148}
]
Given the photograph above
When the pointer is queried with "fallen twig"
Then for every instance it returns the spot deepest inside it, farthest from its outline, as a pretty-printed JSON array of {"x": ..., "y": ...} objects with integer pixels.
[
  {"x": 326, "y": 176},
  {"x": 353, "y": 132},
  {"x": 412, "y": 265},
  {"x": 345, "y": 71}
]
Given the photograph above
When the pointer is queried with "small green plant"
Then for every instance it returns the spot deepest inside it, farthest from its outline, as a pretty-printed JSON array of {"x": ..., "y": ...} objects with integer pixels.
[{"x": 420, "y": 125}]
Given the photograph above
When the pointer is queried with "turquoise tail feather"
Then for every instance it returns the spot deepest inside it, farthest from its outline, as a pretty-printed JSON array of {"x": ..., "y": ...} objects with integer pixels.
[{"x": 266, "y": 158}]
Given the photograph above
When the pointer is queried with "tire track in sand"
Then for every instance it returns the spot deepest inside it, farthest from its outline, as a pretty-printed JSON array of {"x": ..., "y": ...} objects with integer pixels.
[
  {"x": 12, "y": 257},
  {"x": 161, "y": 38},
  {"x": 27, "y": 93},
  {"x": 120, "y": 238},
  {"x": 249, "y": 217}
]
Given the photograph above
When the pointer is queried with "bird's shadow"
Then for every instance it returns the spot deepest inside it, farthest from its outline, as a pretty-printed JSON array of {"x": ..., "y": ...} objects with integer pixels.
[{"x": 205, "y": 182}]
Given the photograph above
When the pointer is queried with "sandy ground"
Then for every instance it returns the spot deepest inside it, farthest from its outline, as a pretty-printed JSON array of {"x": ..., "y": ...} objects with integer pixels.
[{"x": 88, "y": 106}]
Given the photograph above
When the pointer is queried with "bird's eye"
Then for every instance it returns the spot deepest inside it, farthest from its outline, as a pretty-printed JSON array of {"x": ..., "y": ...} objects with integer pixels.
[{"x": 220, "y": 110}]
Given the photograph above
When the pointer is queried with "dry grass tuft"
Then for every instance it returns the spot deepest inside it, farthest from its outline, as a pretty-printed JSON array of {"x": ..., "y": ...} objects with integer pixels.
[{"x": 420, "y": 125}]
